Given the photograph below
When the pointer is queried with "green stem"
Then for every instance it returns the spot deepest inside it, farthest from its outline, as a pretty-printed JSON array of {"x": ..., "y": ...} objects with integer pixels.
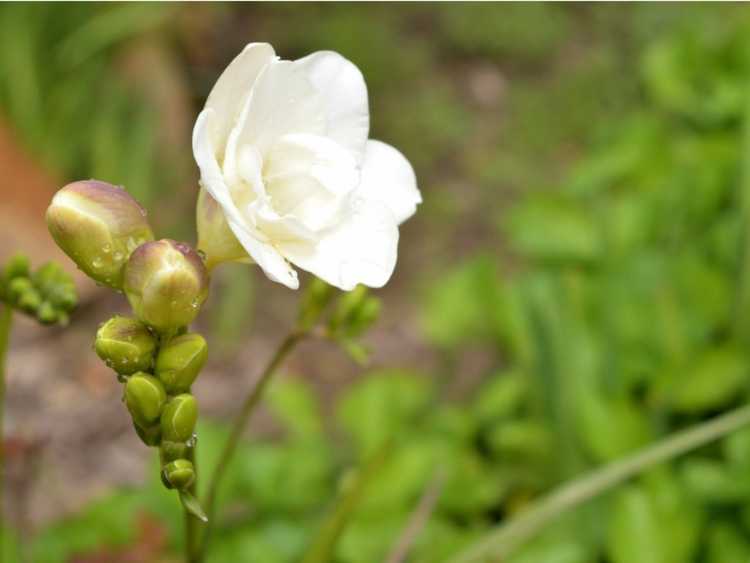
[
  {"x": 323, "y": 546},
  {"x": 6, "y": 320},
  {"x": 505, "y": 539},
  {"x": 238, "y": 427}
]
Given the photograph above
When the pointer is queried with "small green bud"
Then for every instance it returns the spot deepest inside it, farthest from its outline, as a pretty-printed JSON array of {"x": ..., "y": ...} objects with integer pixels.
[
  {"x": 151, "y": 435},
  {"x": 30, "y": 300},
  {"x": 171, "y": 451},
  {"x": 98, "y": 226},
  {"x": 18, "y": 287},
  {"x": 47, "y": 314},
  {"x": 355, "y": 312},
  {"x": 180, "y": 361},
  {"x": 126, "y": 345},
  {"x": 166, "y": 283},
  {"x": 178, "y": 474},
  {"x": 316, "y": 298},
  {"x": 17, "y": 267},
  {"x": 179, "y": 418},
  {"x": 145, "y": 398}
]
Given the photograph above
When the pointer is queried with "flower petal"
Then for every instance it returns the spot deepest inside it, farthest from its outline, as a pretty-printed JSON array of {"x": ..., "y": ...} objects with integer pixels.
[
  {"x": 282, "y": 101},
  {"x": 233, "y": 87},
  {"x": 344, "y": 93},
  {"x": 265, "y": 255},
  {"x": 309, "y": 176},
  {"x": 388, "y": 177},
  {"x": 362, "y": 249}
]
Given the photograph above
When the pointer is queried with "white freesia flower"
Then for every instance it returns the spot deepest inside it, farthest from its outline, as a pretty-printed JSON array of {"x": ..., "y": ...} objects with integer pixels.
[{"x": 283, "y": 151}]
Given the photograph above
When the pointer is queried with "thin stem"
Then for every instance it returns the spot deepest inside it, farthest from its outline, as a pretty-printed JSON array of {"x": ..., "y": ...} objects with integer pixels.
[
  {"x": 238, "y": 427},
  {"x": 505, "y": 539},
  {"x": 6, "y": 320},
  {"x": 322, "y": 548}
]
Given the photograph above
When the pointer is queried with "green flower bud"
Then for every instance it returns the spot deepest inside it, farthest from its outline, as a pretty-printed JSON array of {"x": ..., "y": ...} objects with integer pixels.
[
  {"x": 215, "y": 238},
  {"x": 17, "y": 267},
  {"x": 30, "y": 301},
  {"x": 18, "y": 287},
  {"x": 180, "y": 361},
  {"x": 47, "y": 314},
  {"x": 316, "y": 298},
  {"x": 98, "y": 226},
  {"x": 145, "y": 398},
  {"x": 171, "y": 451},
  {"x": 126, "y": 345},
  {"x": 179, "y": 418},
  {"x": 166, "y": 283},
  {"x": 355, "y": 312},
  {"x": 178, "y": 474},
  {"x": 151, "y": 435}
]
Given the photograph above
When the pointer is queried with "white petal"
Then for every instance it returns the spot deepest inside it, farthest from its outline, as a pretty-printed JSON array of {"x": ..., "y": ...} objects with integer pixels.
[
  {"x": 283, "y": 101},
  {"x": 361, "y": 250},
  {"x": 233, "y": 87},
  {"x": 309, "y": 176},
  {"x": 388, "y": 177},
  {"x": 265, "y": 255},
  {"x": 344, "y": 93}
]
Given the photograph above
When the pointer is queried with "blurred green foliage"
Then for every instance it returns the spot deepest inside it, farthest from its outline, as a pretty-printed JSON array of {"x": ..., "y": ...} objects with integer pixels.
[{"x": 601, "y": 200}]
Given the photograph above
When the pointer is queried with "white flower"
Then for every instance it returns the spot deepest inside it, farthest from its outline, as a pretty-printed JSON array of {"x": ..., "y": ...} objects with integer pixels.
[{"x": 283, "y": 151}]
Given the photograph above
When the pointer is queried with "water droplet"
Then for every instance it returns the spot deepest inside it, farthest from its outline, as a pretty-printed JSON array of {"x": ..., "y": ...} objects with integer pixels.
[
  {"x": 118, "y": 256},
  {"x": 97, "y": 262},
  {"x": 106, "y": 248}
]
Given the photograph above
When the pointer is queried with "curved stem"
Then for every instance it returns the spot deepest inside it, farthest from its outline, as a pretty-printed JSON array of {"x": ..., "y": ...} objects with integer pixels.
[
  {"x": 238, "y": 427},
  {"x": 6, "y": 320},
  {"x": 504, "y": 540}
]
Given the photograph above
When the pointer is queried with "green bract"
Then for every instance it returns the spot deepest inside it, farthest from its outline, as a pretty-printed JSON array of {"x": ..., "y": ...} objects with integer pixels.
[
  {"x": 98, "y": 226},
  {"x": 180, "y": 361},
  {"x": 126, "y": 345}
]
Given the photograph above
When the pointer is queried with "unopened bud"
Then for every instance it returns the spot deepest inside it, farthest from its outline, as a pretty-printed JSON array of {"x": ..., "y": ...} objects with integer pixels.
[
  {"x": 47, "y": 314},
  {"x": 126, "y": 345},
  {"x": 215, "y": 238},
  {"x": 145, "y": 398},
  {"x": 98, "y": 226},
  {"x": 355, "y": 312},
  {"x": 180, "y": 361},
  {"x": 179, "y": 418},
  {"x": 171, "y": 451},
  {"x": 150, "y": 435},
  {"x": 316, "y": 298},
  {"x": 166, "y": 283},
  {"x": 178, "y": 474},
  {"x": 17, "y": 267}
]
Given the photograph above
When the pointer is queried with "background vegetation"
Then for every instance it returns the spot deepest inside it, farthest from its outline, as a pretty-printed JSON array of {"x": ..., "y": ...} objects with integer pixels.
[{"x": 574, "y": 287}]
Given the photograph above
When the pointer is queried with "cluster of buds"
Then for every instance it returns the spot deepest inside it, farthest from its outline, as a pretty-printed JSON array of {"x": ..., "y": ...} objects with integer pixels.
[
  {"x": 48, "y": 294},
  {"x": 105, "y": 232}
]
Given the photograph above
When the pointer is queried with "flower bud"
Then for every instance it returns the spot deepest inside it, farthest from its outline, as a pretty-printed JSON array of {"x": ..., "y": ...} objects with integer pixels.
[
  {"x": 47, "y": 314},
  {"x": 98, "y": 226},
  {"x": 145, "y": 398},
  {"x": 150, "y": 435},
  {"x": 166, "y": 283},
  {"x": 17, "y": 267},
  {"x": 355, "y": 312},
  {"x": 171, "y": 451},
  {"x": 178, "y": 474},
  {"x": 215, "y": 239},
  {"x": 180, "y": 361},
  {"x": 126, "y": 345},
  {"x": 179, "y": 418}
]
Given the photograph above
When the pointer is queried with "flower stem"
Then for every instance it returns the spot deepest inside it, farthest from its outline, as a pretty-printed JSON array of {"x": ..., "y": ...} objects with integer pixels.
[
  {"x": 506, "y": 538},
  {"x": 6, "y": 320},
  {"x": 238, "y": 427}
]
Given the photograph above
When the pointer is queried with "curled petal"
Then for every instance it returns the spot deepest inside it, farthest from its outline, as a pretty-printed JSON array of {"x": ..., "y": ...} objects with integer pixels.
[
  {"x": 362, "y": 249},
  {"x": 388, "y": 177},
  {"x": 342, "y": 88}
]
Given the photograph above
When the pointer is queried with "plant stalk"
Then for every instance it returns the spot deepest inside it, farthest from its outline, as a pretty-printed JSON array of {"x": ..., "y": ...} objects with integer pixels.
[
  {"x": 238, "y": 427},
  {"x": 191, "y": 522},
  {"x": 499, "y": 544}
]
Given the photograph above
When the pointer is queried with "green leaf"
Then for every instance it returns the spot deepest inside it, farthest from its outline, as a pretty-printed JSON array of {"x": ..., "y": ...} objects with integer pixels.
[
  {"x": 634, "y": 528},
  {"x": 294, "y": 404}
]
